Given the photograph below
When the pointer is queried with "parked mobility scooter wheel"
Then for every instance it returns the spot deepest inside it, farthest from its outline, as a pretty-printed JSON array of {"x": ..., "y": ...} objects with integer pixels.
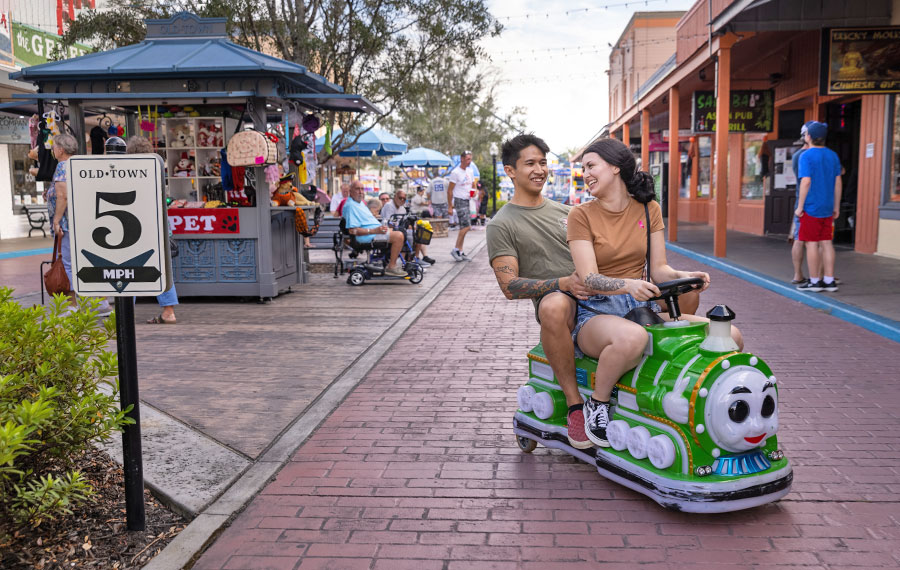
[
  {"x": 356, "y": 277},
  {"x": 416, "y": 274}
]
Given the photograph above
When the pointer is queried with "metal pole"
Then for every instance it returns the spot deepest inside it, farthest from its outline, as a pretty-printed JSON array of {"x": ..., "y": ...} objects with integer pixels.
[
  {"x": 128, "y": 396},
  {"x": 494, "y": 184}
]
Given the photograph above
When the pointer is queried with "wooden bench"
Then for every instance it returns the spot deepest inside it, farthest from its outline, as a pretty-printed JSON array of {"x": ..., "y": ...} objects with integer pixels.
[{"x": 37, "y": 217}]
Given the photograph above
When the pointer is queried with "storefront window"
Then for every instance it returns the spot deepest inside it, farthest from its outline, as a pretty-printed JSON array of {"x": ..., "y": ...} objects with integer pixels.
[
  {"x": 753, "y": 169},
  {"x": 704, "y": 167},
  {"x": 894, "y": 190},
  {"x": 24, "y": 188}
]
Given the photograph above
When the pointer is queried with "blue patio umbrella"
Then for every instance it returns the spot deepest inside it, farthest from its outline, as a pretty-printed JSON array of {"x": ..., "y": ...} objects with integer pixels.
[
  {"x": 421, "y": 156},
  {"x": 374, "y": 141}
]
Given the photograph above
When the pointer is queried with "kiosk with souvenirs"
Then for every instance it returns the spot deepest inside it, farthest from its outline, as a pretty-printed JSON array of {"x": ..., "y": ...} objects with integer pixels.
[{"x": 223, "y": 117}]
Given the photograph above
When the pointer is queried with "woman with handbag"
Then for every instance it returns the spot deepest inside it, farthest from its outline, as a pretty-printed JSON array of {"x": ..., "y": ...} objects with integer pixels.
[
  {"x": 64, "y": 146},
  {"x": 168, "y": 299},
  {"x": 609, "y": 238}
]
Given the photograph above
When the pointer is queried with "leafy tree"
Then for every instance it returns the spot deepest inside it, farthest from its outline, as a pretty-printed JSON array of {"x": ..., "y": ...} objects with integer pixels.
[
  {"x": 371, "y": 47},
  {"x": 456, "y": 111}
]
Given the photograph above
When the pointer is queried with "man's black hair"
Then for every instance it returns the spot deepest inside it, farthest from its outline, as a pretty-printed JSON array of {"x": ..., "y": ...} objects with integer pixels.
[{"x": 515, "y": 145}]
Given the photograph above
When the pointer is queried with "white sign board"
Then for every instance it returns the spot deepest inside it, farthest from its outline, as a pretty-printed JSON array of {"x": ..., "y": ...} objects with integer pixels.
[{"x": 117, "y": 225}]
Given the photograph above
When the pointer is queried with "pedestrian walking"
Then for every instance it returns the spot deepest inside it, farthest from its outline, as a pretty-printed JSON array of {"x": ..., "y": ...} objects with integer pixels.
[
  {"x": 817, "y": 207},
  {"x": 169, "y": 298},
  {"x": 798, "y": 248},
  {"x": 437, "y": 194},
  {"x": 462, "y": 188}
]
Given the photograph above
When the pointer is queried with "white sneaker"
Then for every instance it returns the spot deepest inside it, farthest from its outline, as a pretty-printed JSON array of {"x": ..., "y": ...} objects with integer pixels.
[
  {"x": 457, "y": 255},
  {"x": 464, "y": 257}
]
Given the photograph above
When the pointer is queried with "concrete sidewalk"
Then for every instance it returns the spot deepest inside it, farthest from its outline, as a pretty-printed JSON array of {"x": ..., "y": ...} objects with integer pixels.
[{"x": 418, "y": 467}]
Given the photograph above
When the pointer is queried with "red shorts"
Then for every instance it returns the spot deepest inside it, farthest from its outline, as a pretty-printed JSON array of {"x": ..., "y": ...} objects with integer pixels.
[{"x": 816, "y": 229}]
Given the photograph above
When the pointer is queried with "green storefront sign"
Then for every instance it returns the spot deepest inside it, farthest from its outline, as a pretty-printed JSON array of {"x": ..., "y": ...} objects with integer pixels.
[
  {"x": 751, "y": 111},
  {"x": 33, "y": 46}
]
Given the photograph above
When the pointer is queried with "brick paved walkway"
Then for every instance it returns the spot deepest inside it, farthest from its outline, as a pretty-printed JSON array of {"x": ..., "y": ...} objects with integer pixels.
[{"x": 418, "y": 467}]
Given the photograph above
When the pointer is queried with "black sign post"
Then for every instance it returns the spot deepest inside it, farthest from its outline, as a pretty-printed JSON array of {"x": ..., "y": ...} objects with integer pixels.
[
  {"x": 128, "y": 396},
  {"x": 119, "y": 248}
]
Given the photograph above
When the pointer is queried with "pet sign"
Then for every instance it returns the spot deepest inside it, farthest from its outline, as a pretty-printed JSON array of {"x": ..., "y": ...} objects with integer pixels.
[{"x": 117, "y": 226}]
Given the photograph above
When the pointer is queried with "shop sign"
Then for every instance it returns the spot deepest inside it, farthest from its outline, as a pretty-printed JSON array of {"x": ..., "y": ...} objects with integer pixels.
[
  {"x": 751, "y": 111},
  {"x": 34, "y": 46},
  {"x": 117, "y": 234},
  {"x": 14, "y": 130},
  {"x": 204, "y": 221},
  {"x": 860, "y": 60}
]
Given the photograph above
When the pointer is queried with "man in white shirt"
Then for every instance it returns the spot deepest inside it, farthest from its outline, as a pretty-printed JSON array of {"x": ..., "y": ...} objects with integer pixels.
[
  {"x": 338, "y": 198},
  {"x": 437, "y": 192},
  {"x": 462, "y": 188}
]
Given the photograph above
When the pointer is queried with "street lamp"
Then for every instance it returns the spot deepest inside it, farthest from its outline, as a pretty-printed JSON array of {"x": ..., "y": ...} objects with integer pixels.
[{"x": 494, "y": 151}]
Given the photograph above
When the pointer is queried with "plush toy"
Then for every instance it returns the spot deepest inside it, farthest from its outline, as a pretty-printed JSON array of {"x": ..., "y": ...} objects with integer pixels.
[
  {"x": 214, "y": 168},
  {"x": 215, "y": 135},
  {"x": 204, "y": 137},
  {"x": 180, "y": 137},
  {"x": 284, "y": 192},
  {"x": 185, "y": 166}
]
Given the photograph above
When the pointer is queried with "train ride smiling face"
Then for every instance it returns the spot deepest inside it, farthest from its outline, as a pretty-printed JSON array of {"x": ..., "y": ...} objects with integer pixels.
[{"x": 741, "y": 409}]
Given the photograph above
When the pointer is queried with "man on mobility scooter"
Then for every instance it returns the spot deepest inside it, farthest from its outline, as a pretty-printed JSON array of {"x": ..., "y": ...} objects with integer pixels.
[{"x": 366, "y": 228}]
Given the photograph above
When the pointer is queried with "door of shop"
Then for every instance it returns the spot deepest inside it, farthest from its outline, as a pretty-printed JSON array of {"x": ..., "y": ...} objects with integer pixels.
[
  {"x": 843, "y": 120},
  {"x": 781, "y": 194}
]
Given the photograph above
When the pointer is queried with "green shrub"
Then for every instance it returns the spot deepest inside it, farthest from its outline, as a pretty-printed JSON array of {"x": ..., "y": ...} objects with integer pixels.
[{"x": 52, "y": 366}]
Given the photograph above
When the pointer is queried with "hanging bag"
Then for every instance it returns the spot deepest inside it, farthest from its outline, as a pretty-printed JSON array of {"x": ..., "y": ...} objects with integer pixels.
[
  {"x": 302, "y": 225},
  {"x": 55, "y": 279},
  {"x": 251, "y": 148}
]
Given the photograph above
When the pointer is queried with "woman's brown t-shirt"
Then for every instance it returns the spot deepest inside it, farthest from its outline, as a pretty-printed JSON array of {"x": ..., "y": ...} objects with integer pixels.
[{"x": 619, "y": 238}]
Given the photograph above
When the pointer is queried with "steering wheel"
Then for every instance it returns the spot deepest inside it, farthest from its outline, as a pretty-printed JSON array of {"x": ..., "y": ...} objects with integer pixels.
[
  {"x": 676, "y": 287},
  {"x": 670, "y": 290}
]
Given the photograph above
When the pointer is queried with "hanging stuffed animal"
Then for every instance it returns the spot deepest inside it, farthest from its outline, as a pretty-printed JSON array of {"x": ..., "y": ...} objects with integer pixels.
[{"x": 51, "y": 121}]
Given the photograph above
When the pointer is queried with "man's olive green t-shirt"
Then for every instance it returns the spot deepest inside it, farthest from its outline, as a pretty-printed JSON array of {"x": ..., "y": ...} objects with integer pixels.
[{"x": 535, "y": 236}]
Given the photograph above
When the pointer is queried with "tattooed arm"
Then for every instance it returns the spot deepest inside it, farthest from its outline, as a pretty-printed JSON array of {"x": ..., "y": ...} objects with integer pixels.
[
  {"x": 586, "y": 267},
  {"x": 506, "y": 269}
]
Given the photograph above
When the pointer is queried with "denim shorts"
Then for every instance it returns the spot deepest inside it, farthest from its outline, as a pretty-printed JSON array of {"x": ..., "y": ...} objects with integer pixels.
[
  {"x": 617, "y": 305},
  {"x": 795, "y": 228}
]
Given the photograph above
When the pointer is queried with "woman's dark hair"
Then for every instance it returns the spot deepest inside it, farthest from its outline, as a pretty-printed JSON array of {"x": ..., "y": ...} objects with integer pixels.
[{"x": 615, "y": 153}]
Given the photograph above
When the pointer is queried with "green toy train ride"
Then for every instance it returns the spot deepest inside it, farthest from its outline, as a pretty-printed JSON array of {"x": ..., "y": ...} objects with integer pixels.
[{"x": 693, "y": 426}]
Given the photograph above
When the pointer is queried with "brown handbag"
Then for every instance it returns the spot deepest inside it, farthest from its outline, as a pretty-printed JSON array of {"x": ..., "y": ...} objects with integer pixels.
[{"x": 55, "y": 279}]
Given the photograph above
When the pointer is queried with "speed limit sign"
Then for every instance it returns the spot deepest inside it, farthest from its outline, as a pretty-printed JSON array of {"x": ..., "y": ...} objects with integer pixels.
[{"x": 117, "y": 225}]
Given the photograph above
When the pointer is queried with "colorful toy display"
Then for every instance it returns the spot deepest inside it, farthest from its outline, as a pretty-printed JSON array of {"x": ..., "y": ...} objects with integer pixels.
[{"x": 693, "y": 426}]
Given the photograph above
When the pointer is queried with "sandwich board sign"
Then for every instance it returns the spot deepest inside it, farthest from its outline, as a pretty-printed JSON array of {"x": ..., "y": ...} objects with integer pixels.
[{"x": 117, "y": 225}]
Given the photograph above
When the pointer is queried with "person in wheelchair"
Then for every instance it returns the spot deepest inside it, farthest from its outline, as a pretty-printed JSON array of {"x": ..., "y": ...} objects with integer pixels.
[
  {"x": 394, "y": 211},
  {"x": 365, "y": 228}
]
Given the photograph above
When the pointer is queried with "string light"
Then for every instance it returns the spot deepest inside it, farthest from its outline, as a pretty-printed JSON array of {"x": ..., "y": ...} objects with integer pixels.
[{"x": 578, "y": 10}]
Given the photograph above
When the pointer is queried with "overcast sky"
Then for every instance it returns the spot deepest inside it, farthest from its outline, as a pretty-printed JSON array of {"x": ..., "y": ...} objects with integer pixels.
[{"x": 564, "y": 91}]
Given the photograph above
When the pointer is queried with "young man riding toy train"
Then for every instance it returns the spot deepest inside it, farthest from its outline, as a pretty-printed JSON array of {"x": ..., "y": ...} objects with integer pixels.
[{"x": 593, "y": 273}]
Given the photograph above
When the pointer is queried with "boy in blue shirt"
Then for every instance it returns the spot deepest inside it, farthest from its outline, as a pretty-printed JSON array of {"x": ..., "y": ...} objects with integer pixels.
[{"x": 818, "y": 206}]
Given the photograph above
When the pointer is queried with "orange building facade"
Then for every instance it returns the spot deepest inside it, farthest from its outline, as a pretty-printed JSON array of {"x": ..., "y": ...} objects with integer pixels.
[{"x": 766, "y": 55}]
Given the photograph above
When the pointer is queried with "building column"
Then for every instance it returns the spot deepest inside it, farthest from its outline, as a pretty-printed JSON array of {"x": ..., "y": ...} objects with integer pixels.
[
  {"x": 674, "y": 163},
  {"x": 723, "y": 110},
  {"x": 626, "y": 134},
  {"x": 645, "y": 140}
]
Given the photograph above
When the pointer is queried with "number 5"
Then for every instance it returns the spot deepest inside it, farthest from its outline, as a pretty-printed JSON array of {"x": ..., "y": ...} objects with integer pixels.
[{"x": 131, "y": 226}]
